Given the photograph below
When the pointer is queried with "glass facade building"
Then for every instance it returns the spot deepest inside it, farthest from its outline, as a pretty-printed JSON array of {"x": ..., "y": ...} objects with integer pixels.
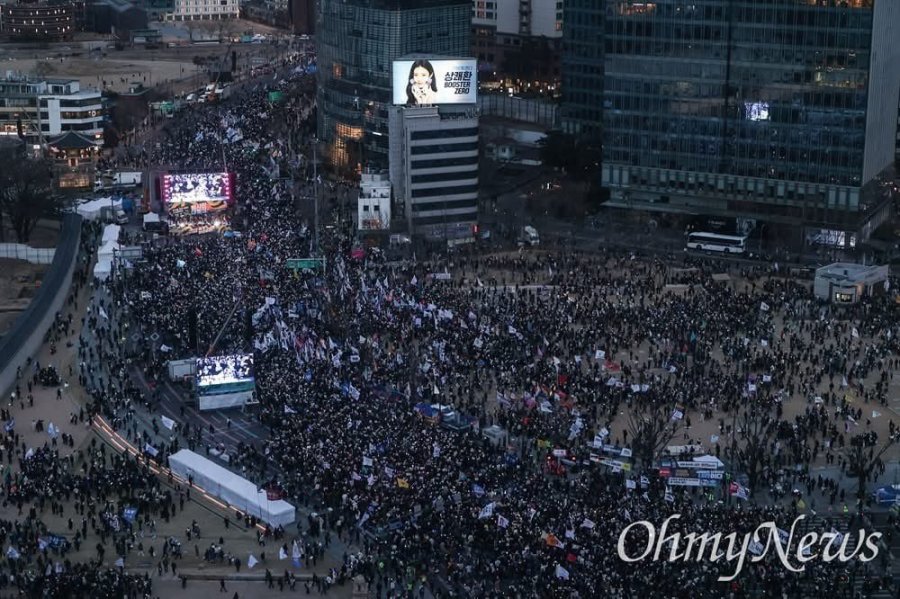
[
  {"x": 357, "y": 40},
  {"x": 774, "y": 110},
  {"x": 582, "y": 69}
]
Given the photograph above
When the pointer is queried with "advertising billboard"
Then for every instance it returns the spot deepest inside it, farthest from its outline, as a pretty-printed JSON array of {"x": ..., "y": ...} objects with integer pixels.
[
  {"x": 427, "y": 82},
  {"x": 196, "y": 193}
]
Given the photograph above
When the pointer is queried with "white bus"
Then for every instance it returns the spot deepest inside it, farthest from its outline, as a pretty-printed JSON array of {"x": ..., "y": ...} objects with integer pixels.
[{"x": 714, "y": 242}]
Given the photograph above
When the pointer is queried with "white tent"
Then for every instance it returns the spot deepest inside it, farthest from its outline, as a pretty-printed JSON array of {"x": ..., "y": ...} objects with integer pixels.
[
  {"x": 238, "y": 492},
  {"x": 92, "y": 209},
  {"x": 103, "y": 268},
  {"x": 111, "y": 233},
  {"x": 108, "y": 249}
]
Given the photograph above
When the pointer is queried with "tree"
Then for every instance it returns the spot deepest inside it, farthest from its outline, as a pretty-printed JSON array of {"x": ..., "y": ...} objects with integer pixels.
[
  {"x": 863, "y": 459},
  {"x": 26, "y": 195},
  {"x": 757, "y": 429},
  {"x": 651, "y": 431}
]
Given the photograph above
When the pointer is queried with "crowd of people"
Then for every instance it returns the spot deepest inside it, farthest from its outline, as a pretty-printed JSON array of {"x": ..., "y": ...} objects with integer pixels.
[{"x": 557, "y": 349}]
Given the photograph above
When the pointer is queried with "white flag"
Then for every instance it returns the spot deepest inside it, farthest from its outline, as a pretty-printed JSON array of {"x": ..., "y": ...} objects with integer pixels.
[
  {"x": 282, "y": 554},
  {"x": 151, "y": 450},
  {"x": 502, "y": 522},
  {"x": 587, "y": 523},
  {"x": 251, "y": 561},
  {"x": 120, "y": 563},
  {"x": 289, "y": 410},
  {"x": 875, "y": 414},
  {"x": 486, "y": 512},
  {"x": 52, "y": 431},
  {"x": 167, "y": 422},
  {"x": 103, "y": 314},
  {"x": 562, "y": 572},
  {"x": 12, "y": 553}
]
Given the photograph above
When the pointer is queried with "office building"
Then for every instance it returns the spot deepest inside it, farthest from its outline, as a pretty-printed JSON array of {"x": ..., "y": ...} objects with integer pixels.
[
  {"x": 37, "y": 21},
  {"x": 582, "y": 70},
  {"x": 518, "y": 42},
  {"x": 203, "y": 10},
  {"x": 302, "y": 16},
  {"x": 373, "y": 211},
  {"x": 357, "y": 42},
  {"x": 783, "y": 113},
  {"x": 64, "y": 106},
  {"x": 434, "y": 169}
]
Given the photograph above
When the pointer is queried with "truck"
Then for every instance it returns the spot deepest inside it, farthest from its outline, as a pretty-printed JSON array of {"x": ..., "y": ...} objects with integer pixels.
[
  {"x": 529, "y": 236},
  {"x": 154, "y": 224},
  {"x": 121, "y": 180},
  {"x": 114, "y": 214}
]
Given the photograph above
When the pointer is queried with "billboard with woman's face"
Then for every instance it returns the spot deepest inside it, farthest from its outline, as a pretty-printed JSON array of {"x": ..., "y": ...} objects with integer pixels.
[{"x": 431, "y": 82}]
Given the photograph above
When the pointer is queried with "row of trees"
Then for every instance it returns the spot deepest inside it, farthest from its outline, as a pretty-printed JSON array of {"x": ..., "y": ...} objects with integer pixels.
[
  {"x": 653, "y": 428},
  {"x": 26, "y": 196}
]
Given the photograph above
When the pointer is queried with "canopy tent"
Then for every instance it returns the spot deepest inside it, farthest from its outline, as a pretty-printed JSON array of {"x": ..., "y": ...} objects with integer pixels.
[
  {"x": 111, "y": 233},
  {"x": 103, "y": 268},
  {"x": 108, "y": 249},
  {"x": 235, "y": 490},
  {"x": 93, "y": 209}
]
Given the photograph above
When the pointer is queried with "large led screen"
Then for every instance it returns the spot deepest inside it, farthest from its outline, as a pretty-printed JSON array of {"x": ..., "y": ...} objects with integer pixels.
[
  {"x": 430, "y": 82},
  {"x": 224, "y": 370},
  {"x": 196, "y": 193}
]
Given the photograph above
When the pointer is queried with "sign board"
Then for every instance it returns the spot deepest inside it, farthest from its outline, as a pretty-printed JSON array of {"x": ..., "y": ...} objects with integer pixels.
[
  {"x": 677, "y": 481},
  {"x": 305, "y": 263},
  {"x": 426, "y": 82}
]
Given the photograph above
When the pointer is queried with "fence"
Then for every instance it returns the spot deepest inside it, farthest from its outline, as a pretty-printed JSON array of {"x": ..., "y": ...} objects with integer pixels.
[
  {"x": 530, "y": 110},
  {"x": 18, "y": 251}
]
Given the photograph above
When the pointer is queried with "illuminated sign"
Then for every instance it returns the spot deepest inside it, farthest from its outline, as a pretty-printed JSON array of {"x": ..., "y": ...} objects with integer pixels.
[{"x": 430, "y": 82}]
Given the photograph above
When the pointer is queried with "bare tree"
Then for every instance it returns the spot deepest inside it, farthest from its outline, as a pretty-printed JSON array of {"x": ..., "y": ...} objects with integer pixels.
[
  {"x": 26, "y": 195},
  {"x": 756, "y": 429},
  {"x": 650, "y": 430},
  {"x": 862, "y": 460}
]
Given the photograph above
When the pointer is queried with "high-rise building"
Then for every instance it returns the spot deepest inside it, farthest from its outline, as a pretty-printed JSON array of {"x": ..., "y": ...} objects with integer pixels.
[
  {"x": 357, "y": 41},
  {"x": 518, "y": 42},
  {"x": 434, "y": 169},
  {"x": 781, "y": 112},
  {"x": 582, "y": 69}
]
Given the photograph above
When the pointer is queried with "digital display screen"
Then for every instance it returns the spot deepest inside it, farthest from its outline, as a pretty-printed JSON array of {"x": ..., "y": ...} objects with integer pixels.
[
  {"x": 196, "y": 193},
  {"x": 427, "y": 82},
  {"x": 757, "y": 111},
  {"x": 225, "y": 370}
]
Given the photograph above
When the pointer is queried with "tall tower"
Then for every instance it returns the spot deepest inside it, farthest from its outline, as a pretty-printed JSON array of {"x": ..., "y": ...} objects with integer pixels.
[{"x": 357, "y": 42}]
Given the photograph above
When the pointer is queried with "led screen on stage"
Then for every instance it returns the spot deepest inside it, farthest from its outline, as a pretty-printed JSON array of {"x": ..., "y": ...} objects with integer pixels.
[
  {"x": 234, "y": 370},
  {"x": 196, "y": 193}
]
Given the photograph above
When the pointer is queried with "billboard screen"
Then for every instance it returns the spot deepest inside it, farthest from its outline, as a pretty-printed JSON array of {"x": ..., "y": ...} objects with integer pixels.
[
  {"x": 196, "y": 193},
  {"x": 430, "y": 82},
  {"x": 235, "y": 370}
]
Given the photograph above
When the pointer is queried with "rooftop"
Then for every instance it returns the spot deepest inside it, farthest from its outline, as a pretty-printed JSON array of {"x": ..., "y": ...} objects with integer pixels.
[{"x": 848, "y": 271}]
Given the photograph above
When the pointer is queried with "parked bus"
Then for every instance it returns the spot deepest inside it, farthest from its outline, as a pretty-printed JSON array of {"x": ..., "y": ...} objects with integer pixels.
[{"x": 714, "y": 242}]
